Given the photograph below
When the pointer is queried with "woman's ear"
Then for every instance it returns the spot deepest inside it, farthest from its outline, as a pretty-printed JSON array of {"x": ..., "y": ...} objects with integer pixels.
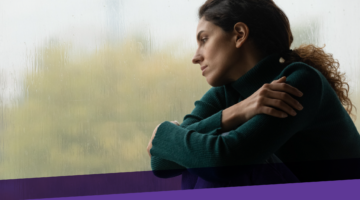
[{"x": 241, "y": 31}]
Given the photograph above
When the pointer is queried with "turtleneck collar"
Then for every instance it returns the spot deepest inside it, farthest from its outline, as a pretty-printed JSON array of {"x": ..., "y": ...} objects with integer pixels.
[{"x": 264, "y": 72}]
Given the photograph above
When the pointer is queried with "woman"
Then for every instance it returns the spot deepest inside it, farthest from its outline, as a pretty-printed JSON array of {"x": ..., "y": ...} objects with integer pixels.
[{"x": 245, "y": 130}]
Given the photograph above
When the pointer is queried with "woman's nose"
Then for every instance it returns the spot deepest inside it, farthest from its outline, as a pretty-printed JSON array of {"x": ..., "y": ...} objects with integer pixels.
[{"x": 197, "y": 59}]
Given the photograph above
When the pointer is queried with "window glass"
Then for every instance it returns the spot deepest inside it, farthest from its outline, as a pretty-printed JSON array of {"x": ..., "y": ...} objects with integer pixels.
[{"x": 84, "y": 83}]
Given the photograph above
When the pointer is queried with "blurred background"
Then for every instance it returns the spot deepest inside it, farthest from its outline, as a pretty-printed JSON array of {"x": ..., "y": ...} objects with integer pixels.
[{"x": 84, "y": 83}]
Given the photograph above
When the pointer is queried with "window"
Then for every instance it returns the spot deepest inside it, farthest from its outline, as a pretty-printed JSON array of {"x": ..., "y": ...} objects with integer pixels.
[{"x": 84, "y": 83}]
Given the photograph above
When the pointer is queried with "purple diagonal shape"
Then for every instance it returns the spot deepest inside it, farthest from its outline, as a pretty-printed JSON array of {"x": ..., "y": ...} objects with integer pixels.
[
  {"x": 86, "y": 185},
  {"x": 142, "y": 182},
  {"x": 330, "y": 190}
]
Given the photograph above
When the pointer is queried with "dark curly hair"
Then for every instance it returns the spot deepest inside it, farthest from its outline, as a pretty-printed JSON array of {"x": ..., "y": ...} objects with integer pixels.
[{"x": 270, "y": 30}]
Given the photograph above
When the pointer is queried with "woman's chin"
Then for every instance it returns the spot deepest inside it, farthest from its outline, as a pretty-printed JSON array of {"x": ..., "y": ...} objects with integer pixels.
[
  {"x": 214, "y": 83},
  {"x": 209, "y": 80}
]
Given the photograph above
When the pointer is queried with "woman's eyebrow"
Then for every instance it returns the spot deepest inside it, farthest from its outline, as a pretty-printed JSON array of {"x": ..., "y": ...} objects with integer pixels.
[{"x": 198, "y": 35}]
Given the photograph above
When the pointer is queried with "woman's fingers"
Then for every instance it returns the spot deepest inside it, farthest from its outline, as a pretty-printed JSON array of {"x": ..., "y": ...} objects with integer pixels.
[
  {"x": 285, "y": 88},
  {"x": 284, "y": 97},
  {"x": 175, "y": 122},
  {"x": 277, "y": 100},
  {"x": 151, "y": 139},
  {"x": 273, "y": 112},
  {"x": 279, "y": 104},
  {"x": 282, "y": 79}
]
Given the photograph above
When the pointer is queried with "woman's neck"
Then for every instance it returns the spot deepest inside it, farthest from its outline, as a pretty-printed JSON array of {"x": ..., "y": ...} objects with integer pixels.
[{"x": 250, "y": 56}]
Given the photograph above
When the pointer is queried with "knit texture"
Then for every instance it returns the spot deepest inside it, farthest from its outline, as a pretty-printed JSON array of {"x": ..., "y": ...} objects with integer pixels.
[{"x": 323, "y": 130}]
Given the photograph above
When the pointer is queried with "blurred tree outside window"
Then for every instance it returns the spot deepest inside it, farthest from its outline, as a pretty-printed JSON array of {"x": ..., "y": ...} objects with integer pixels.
[{"x": 82, "y": 92}]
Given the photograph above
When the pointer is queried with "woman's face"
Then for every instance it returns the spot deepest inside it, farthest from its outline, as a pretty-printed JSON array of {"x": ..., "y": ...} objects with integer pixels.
[{"x": 218, "y": 54}]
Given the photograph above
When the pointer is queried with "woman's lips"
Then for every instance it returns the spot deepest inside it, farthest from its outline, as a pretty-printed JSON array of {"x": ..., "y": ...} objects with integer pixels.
[{"x": 203, "y": 69}]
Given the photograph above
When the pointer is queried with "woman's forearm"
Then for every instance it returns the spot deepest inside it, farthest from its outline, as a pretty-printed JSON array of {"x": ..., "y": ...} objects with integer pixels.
[{"x": 232, "y": 118}]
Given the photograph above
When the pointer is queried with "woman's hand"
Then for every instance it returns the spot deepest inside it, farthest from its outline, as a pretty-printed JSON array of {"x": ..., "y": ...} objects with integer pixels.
[
  {"x": 153, "y": 136},
  {"x": 271, "y": 96}
]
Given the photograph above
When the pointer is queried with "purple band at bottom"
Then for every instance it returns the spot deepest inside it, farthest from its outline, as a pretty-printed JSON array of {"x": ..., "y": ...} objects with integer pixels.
[
  {"x": 295, "y": 191},
  {"x": 115, "y": 185},
  {"x": 86, "y": 185}
]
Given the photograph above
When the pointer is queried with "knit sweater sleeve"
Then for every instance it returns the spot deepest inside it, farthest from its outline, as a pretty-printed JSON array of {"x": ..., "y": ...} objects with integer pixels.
[
  {"x": 251, "y": 143},
  {"x": 205, "y": 118}
]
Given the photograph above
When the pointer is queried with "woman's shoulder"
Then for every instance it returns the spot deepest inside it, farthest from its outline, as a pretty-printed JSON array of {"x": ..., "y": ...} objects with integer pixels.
[
  {"x": 308, "y": 80},
  {"x": 300, "y": 68},
  {"x": 304, "y": 72}
]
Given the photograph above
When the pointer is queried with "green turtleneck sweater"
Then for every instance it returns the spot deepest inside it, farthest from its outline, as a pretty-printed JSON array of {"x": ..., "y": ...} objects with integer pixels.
[{"x": 322, "y": 131}]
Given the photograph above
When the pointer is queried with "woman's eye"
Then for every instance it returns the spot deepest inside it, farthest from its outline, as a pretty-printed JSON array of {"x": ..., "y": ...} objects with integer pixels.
[{"x": 204, "y": 40}]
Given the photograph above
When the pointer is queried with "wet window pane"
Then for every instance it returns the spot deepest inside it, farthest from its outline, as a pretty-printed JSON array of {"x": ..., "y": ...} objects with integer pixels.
[{"x": 84, "y": 83}]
